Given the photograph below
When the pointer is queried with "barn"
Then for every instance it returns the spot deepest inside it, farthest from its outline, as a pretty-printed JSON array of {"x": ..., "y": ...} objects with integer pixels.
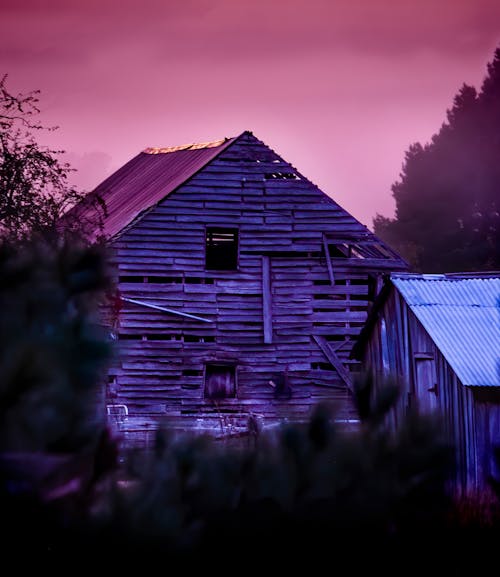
[
  {"x": 241, "y": 288},
  {"x": 440, "y": 335}
]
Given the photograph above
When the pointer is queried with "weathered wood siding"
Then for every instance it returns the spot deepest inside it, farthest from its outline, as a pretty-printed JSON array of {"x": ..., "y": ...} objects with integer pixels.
[
  {"x": 264, "y": 315},
  {"x": 471, "y": 416},
  {"x": 487, "y": 431}
]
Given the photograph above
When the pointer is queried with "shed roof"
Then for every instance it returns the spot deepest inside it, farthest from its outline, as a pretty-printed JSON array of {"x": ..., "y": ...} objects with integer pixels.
[
  {"x": 461, "y": 313},
  {"x": 144, "y": 181}
]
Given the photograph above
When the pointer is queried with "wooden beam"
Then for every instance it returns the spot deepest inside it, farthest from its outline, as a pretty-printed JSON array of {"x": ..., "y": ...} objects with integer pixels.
[
  {"x": 328, "y": 260},
  {"x": 267, "y": 300},
  {"x": 330, "y": 354},
  {"x": 165, "y": 310},
  {"x": 340, "y": 345}
]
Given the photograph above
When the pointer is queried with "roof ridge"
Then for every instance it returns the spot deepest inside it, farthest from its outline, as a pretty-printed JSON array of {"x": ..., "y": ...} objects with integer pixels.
[
  {"x": 480, "y": 275},
  {"x": 191, "y": 146}
]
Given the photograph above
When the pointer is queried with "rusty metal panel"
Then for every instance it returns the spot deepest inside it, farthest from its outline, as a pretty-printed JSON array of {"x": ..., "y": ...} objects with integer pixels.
[{"x": 145, "y": 180}]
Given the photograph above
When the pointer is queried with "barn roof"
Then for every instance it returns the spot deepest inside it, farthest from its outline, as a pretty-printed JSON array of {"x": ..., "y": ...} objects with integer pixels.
[
  {"x": 144, "y": 181},
  {"x": 461, "y": 313}
]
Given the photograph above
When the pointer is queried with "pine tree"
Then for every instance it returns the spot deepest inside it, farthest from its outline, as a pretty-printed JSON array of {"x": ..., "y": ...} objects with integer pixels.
[{"x": 447, "y": 200}]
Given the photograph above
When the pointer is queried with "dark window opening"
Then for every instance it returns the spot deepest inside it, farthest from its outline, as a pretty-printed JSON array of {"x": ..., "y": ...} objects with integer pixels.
[
  {"x": 128, "y": 337},
  {"x": 358, "y": 250},
  {"x": 340, "y": 250},
  {"x": 131, "y": 279},
  {"x": 361, "y": 297},
  {"x": 198, "y": 280},
  {"x": 281, "y": 176},
  {"x": 285, "y": 254},
  {"x": 192, "y": 373},
  {"x": 199, "y": 339},
  {"x": 220, "y": 381},
  {"x": 165, "y": 279},
  {"x": 221, "y": 249},
  {"x": 322, "y": 367},
  {"x": 281, "y": 385},
  {"x": 330, "y": 297},
  {"x": 358, "y": 309}
]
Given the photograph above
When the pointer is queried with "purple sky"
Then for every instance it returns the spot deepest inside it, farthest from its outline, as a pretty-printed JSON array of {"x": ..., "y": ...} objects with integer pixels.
[{"x": 339, "y": 88}]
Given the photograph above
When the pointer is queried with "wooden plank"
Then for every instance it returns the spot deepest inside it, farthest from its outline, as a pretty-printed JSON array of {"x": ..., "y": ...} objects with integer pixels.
[
  {"x": 334, "y": 360},
  {"x": 165, "y": 310},
  {"x": 267, "y": 302}
]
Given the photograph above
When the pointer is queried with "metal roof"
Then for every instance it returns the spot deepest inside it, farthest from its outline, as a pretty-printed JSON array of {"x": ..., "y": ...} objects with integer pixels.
[
  {"x": 462, "y": 316},
  {"x": 144, "y": 181}
]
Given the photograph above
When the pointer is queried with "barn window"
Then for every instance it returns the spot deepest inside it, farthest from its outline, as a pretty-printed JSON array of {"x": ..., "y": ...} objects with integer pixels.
[
  {"x": 221, "y": 252},
  {"x": 354, "y": 247},
  {"x": 220, "y": 381},
  {"x": 357, "y": 250}
]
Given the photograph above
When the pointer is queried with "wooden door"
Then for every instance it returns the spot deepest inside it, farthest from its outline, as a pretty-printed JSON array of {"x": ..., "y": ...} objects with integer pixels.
[{"x": 425, "y": 383}]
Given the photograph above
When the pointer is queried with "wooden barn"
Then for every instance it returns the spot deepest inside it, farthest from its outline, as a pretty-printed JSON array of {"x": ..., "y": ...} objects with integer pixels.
[
  {"x": 440, "y": 334},
  {"x": 241, "y": 288}
]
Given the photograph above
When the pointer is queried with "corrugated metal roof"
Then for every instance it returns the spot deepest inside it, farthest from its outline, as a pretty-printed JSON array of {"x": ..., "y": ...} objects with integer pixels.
[
  {"x": 462, "y": 316},
  {"x": 146, "y": 180}
]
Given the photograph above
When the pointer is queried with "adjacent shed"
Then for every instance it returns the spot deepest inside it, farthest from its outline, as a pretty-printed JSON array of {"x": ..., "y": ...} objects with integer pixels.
[
  {"x": 440, "y": 334},
  {"x": 241, "y": 288}
]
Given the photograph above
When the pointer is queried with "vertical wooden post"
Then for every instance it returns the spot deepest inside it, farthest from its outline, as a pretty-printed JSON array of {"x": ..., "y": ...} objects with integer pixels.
[
  {"x": 267, "y": 300},
  {"x": 328, "y": 261}
]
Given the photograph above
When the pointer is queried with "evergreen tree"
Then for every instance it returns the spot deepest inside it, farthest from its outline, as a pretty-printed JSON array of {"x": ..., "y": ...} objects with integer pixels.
[{"x": 447, "y": 199}]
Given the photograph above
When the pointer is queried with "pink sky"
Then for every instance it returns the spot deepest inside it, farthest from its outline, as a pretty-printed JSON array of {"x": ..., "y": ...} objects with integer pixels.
[{"x": 339, "y": 88}]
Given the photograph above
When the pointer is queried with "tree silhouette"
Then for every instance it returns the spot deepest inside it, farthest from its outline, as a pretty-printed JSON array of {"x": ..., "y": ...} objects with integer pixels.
[
  {"x": 34, "y": 188},
  {"x": 447, "y": 199}
]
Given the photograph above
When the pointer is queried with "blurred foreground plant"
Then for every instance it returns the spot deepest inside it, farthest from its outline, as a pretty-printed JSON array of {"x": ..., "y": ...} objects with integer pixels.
[
  {"x": 53, "y": 356},
  {"x": 52, "y": 350},
  {"x": 300, "y": 488}
]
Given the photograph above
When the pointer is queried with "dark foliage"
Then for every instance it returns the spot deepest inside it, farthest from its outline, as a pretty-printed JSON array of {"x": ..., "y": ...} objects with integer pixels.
[
  {"x": 311, "y": 493},
  {"x": 281, "y": 498},
  {"x": 54, "y": 444},
  {"x": 52, "y": 349},
  {"x": 447, "y": 198},
  {"x": 34, "y": 187}
]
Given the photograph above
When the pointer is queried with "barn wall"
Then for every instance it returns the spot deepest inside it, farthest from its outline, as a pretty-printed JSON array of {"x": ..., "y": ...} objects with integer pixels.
[{"x": 160, "y": 259}]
